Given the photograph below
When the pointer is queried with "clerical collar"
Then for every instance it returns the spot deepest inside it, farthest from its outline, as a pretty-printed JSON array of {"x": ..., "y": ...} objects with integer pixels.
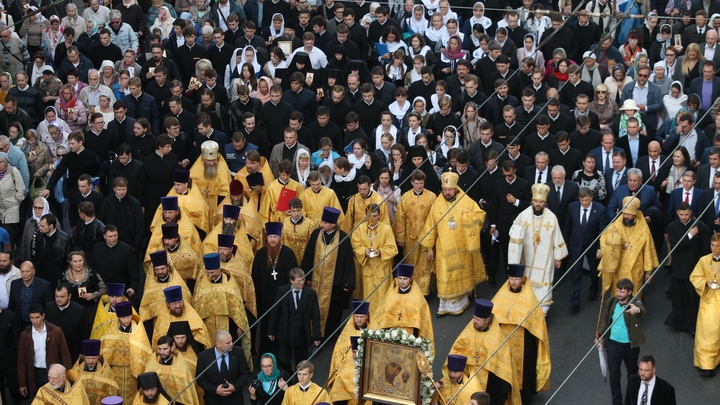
[
  {"x": 167, "y": 362},
  {"x": 418, "y": 194},
  {"x": 304, "y": 389},
  {"x": 65, "y": 307},
  {"x": 372, "y": 228},
  {"x": 174, "y": 248},
  {"x": 515, "y": 290},
  {"x": 90, "y": 370},
  {"x": 299, "y": 221},
  {"x": 164, "y": 280},
  {"x": 284, "y": 183},
  {"x": 127, "y": 329},
  {"x": 217, "y": 280},
  {"x": 404, "y": 291},
  {"x": 368, "y": 196}
]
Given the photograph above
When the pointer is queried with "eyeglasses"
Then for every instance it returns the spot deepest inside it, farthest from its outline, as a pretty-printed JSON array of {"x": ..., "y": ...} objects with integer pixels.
[
  {"x": 600, "y": 92},
  {"x": 640, "y": 75},
  {"x": 115, "y": 22},
  {"x": 39, "y": 208},
  {"x": 60, "y": 156},
  {"x": 670, "y": 54}
]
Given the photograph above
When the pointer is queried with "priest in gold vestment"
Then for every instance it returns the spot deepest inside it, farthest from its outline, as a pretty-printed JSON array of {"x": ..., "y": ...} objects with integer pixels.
[
  {"x": 627, "y": 249},
  {"x": 342, "y": 364},
  {"x": 414, "y": 207},
  {"x": 254, "y": 163},
  {"x": 231, "y": 224},
  {"x": 184, "y": 343},
  {"x": 358, "y": 204},
  {"x": 218, "y": 301},
  {"x": 536, "y": 240},
  {"x": 297, "y": 229},
  {"x": 105, "y": 312},
  {"x": 150, "y": 390},
  {"x": 316, "y": 197},
  {"x": 456, "y": 387},
  {"x": 95, "y": 373},
  {"x": 210, "y": 174},
  {"x": 178, "y": 310},
  {"x": 707, "y": 331},
  {"x": 172, "y": 213},
  {"x": 268, "y": 202},
  {"x": 189, "y": 200},
  {"x": 126, "y": 349},
  {"x": 312, "y": 395},
  {"x": 374, "y": 249},
  {"x": 480, "y": 338},
  {"x": 163, "y": 276},
  {"x": 61, "y": 389},
  {"x": 249, "y": 214},
  {"x": 453, "y": 229},
  {"x": 530, "y": 344},
  {"x": 239, "y": 264},
  {"x": 405, "y": 307},
  {"x": 173, "y": 372}
]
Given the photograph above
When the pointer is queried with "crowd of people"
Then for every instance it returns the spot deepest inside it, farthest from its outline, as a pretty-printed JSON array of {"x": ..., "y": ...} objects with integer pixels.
[{"x": 193, "y": 191}]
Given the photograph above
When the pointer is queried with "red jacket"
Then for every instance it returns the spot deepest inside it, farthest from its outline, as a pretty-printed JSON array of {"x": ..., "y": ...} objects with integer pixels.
[{"x": 56, "y": 351}]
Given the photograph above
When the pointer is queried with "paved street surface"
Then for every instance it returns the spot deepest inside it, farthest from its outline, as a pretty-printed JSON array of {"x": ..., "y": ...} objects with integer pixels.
[{"x": 572, "y": 335}]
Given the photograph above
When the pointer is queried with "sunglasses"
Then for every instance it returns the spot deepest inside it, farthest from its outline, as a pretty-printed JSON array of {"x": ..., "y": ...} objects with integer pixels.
[
  {"x": 600, "y": 92},
  {"x": 639, "y": 75}
]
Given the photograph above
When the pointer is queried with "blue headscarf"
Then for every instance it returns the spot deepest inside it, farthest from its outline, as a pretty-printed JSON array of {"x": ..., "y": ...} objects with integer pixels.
[
  {"x": 276, "y": 371},
  {"x": 94, "y": 29}
]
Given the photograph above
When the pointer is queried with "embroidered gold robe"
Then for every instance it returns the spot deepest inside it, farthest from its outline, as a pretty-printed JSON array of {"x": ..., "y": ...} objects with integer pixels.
[
  {"x": 174, "y": 378},
  {"x": 127, "y": 354},
  {"x": 357, "y": 210},
  {"x": 342, "y": 364},
  {"x": 98, "y": 384},
  {"x": 193, "y": 204},
  {"x": 186, "y": 230},
  {"x": 140, "y": 401},
  {"x": 371, "y": 272},
  {"x": 153, "y": 299},
  {"x": 103, "y": 317},
  {"x": 315, "y": 394},
  {"x": 409, "y": 222},
  {"x": 239, "y": 268},
  {"x": 241, "y": 240},
  {"x": 707, "y": 334},
  {"x": 464, "y": 390},
  {"x": 165, "y": 318},
  {"x": 510, "y": 310},
  {"x": 268, "y": 178},
  {"x": 269, "y": 199},
  {"x": 627, "y": 252},
  {"x": 296, "y": 236},
  {"x": 211, "y": 189},
  {"x": 408, "y": 311},
  {"x": 314, "y": 204},
  {"x": 72, "y": 394},
  {"x": 248, "y": 214}
]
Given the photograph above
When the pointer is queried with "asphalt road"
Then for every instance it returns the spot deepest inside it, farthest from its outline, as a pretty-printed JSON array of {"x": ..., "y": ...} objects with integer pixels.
[{"x": 572, "y": 335}]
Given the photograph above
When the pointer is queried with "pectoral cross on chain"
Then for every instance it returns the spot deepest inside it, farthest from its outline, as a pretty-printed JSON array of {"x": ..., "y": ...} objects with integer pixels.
[
  {"x": 207, "y": 192},
  {"x": 400, "y": 316},
  {"x": 274, "y": 274},
  {"x": 124, "y": 352},
  {"x": 477, "y": 357}
]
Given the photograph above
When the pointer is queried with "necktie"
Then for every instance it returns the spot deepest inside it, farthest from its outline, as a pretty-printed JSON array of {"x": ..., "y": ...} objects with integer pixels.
[
  {"x": 618, "y": 176},
  {"x": 712, "y": 176},
  {"x": 297, "y": 298},
  {"x": 687, "y": 197},
  {"x": 653, "y": 175},
  {"x": 559, "y": 193},
  {"x": 223, "y": 366},
  {"x": 717, "y": 204},
  {"x": 607, "y": 161},
  {"x": 643, "y": 399},
  {"x": 539, "y": 179},
  {"x": 583, "y": 220}
]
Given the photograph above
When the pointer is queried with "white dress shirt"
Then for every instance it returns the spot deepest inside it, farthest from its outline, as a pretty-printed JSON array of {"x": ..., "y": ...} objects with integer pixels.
[
  {"x": 650, "y": 387},
  {"x": 39, "y": 339}
]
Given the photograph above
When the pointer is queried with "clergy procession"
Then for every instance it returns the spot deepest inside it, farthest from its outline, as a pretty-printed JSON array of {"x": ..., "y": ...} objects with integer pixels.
[{"x": 301, "y": 202}]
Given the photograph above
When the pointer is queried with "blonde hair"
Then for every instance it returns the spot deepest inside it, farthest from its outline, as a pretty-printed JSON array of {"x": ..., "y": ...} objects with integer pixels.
[{"x": 686, "y": 61}]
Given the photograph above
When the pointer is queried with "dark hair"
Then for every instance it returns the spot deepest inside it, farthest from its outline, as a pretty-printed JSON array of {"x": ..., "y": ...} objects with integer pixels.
[
  {"x": 50, "y": 219},
  {"x": 36, "y": 309},
  {"x": 625, "y": 284},
  {"x": 110, "y": 228},
  {"x": 648, "y": 358}
]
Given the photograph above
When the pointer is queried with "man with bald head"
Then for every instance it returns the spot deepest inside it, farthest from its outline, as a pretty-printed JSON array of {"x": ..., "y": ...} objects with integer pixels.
[
  {"x": 60, "y": 390},
  {"x": 650, "y": 163},
  {"x": 709, "y": 49},
  {"x": 28, "y": 290},
  {"x": 228, "y": 373}
]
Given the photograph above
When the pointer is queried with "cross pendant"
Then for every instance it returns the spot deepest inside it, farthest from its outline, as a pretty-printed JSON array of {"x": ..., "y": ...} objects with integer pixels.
[
  {"x": 507, "y": 313},
  {"x": 274, "y": 274},
  {"x": 124, "y": 352},
  {"x": 400, "y": 316},
  {"x": 477, "y": 357},
  {"x": 207, "y": 192}
]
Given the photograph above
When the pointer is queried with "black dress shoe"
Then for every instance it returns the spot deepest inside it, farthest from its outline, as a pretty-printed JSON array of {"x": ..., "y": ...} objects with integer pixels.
[
  {"x": 574, "y": 308},
  {"x": 707, "y": 373},
  {"x": 592, "y": 297},
  {"x": 492, "y": 282},
  {"x": 440, "y": 315}
]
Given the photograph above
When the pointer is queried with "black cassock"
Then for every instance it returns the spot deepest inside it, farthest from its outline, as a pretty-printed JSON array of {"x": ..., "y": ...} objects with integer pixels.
[
  {"x": 344, "y": 275},
  {"x": 266, "y": 287},
  {"x": 156, "y": 180}
]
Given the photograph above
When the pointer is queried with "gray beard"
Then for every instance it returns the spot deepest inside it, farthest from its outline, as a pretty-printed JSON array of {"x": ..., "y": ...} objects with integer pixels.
[
  {"x": 210, "y": 172},
  {"x": 228, "y": 229},
  {"x": 629, "y": 222}
]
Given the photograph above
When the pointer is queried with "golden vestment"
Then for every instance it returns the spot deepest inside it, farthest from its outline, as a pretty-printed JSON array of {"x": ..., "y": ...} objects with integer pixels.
[
  {"x": 267, "y": 175},
  {"x": 314, "y": 394},
  {"x": 627, "y": 252},
  {"x": 510, "y": 309},
  {"x": 409, "y": 222},
  {"x": 406, "y": 311},
  {"x": 296, "y": 236},
  {"x": 165, "y": 318},
  {"x": 103, "y": 317},
  {"x": 127, "y": 354},
  {"x": 325, "y": 261},
  {"x": 239, "y": 269},
  {"x": 217, "y": 303},
  {"x": 456, "y": 238},
  {"x": 210, "y": 244},
  {"x": 98, "y": 384},
  {"x": 71, "y": 395},
  {"x": 194, "y": 206},
  {"x": 211, "y": 189},
  {"x": 314, "y": 204},
  {"x": 190, "y": 358},
  {"x": 139, "y": 399},
  {"x": 342, "y": 363},
  {"x": 153, "y": 299},
  {"x": 174, "y": 378},
  {"x": 537, "y": 242},
  {"x": 463, "y": 390},
  {"x": 357, "y": 210},
  {"x": 477, "y": 347},
  {"x": 270, "y": 197},
  {"x": 707, "y": 332},
  {"x": 371, "y": 272},
  {"x": 248, "y": 215},
  {"x": 186, "y": 230}
]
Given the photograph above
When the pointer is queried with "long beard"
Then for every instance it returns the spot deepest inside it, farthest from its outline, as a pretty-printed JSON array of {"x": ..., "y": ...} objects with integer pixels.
[
  {"x": 228, "y": 229},
  {"x": 210, "y": 172},
  {"x": 273, "y": 252},
  {"x": 6, "y": 269}
]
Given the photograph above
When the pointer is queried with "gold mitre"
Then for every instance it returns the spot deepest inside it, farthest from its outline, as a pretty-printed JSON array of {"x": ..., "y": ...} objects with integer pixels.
[
  {"x": 210, "y": 150},
  {"x": 540, "y": 192},
  {"x": 631, "y": 205},
  {"x": 450, "y": 180}
]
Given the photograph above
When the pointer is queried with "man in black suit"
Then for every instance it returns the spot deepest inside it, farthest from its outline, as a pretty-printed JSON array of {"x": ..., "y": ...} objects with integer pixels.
[
  {"x": 558, "y": 121},
  {"x": 575, "y": 86},
  {"x": 296, "y": 321},
  {"x": 650, "y": 163},
  {"x": 511, "y": 195},
  {"x": 603, "y": 153},
  {"x": 710, "y": 48},
  {"x": 186, "y": 118},
  {"x": 584, "y": 222},
  {"x": 9, "y": 336},
  {"x": 490, "y": 248},
  {"x": 565, "y": 155},
  {"x": 706, "y": 172},
  {"x": 513, "y": 153},
  {"x": 711, "y": 217},
  {"x": 633, "y": 135},
  {"x": 115, "y": 261},
  {"x": 562, "y": 193},
  {"x": 695, "y": 34},
  {"x": 639, "y": 386},
  {"x": 540, "y": 172},
  {"x": 85, "y": 193},
  {"x": 70, "y": 317},
  {"x": 617, "y": 175},
  {"x": 122, "y": 125},
  {"x": 228, "y": 372},
  {"x": 584, "y": 138},
  {"x": 28, "y": 290},
  {"x": 479, "y": 148}
]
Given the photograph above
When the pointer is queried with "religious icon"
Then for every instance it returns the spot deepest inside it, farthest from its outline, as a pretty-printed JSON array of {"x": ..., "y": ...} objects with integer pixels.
[
  {"x": 82, "y": 291},
  {"x": 390, "y": 374}
]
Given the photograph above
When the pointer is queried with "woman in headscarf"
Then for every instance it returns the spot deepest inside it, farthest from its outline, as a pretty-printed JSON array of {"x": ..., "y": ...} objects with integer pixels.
[
  {"x": 164, "y": 21},
  {"x": 263, "y": 89},
  {"x": 560, "y": 74},
  {"x": 108, "y": 76},
  {"x": 451, "y": 140},
  {"x": 53, "y": 35},
  {"x": 435, "y": 32},
  {"x": 232, "y": 68},
  {"x": 418, "y": 159},
  {"x": 418, "y": 107},
  {"x": 417, "y": 23},
  {"x": 16, "y": 134},
  {"x": 38, "y": 66},
  {"x": 272, "y": 381},
  {"x": 449, "y": 57},
  {"x": 451, "y": 30},
  {"x": 399, "y": 107},
  {"x": 529, "y": 49},
  {"x": 303, "y": 167},
  {"x": 89, "y": 38},
  {"x": 31, "y": 231},
  {"x": 276, "y": 61},
  {"x": 33, "y": 27},
  {"x": 478, "y": 17},
  {"x": 250, "y": 55},
  {"x": 51, "y": 118},
  {"x": 650, "y": 29},
  {"x": 673, "y": 102},
  {"x": 338, "y": 60},
  {"x": 36, "y": 152},
  {"x": 299, "y": 63},
  {"x": 71, "y": 109},
  {"x": 616, "y": 82},
  {"x": 552, "y": 65},
  {"x": 199, "y": 11},
  {"x": 660, "y": 79},
  {"x": 274, "y": 30},
  {"x": 592, "y": 72}
]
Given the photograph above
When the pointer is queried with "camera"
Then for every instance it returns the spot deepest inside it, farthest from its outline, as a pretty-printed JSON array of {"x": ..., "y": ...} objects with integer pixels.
[
  {"x": 225, "y": 385},
  {"x": 256, "y": 384}
]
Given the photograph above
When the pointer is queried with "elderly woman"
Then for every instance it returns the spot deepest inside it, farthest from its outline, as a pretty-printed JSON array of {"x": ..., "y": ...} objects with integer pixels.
[
  {"x": 72, "y": 19},
  {"x": 31, "y": 231},
  {"x": 51, "y": 118},
  {"x": 200, "y": 11},
  {"x": 616, "y": 82},
  {"x": 16, "y": 134},
  {"x": 108, "y": 76},
  {"x": 89, "y": 36},
  {"x": 591, "y": 178},
  {"x": 53, "y": 35},
  {"x": 70, "y": 109},
  {"x": 164, "y": 22},
  {"x": 7, "y": 18},
  {"x": 603, "y": 106},
  {"x": 659, "y": 77},
  {"x": 12, "y": 192},
  {"x": 33, "y": 28},
  {"x": 36, "y": 152},
  {"x": 87, "y": 285}
]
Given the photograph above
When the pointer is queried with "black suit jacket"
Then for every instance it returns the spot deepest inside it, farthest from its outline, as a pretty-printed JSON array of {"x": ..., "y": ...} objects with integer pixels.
[
  {"x": 42, "y": 293},
  {"x": 704, "y": 179},
  {"x": 280, "y": 315},
  {"x": 663, "y": 393},
  {"x": 559, "y": 207},
  {"x": 710, "y": 215},
  {"x": 577, "y": 237},
  {"x": 530, "y": 174},
  {"x": 9, "y": 338},
  {"x": 502, "y": 213},
  {"x": 643, "y": 163},
  {"x": 609, "y": 182},
  {"x": 238, "y": 375},
  {"x": 624, "y": 144}
]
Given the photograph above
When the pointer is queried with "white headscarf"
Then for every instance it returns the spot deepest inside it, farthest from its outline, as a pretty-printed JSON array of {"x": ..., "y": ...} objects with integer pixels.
[
  {"x": 46, "y": 210},
  {"x": 530, "y": 52},
  {"x": 302, "y": 175},
  {"x": 274, "y": 33},
  {"x": 233, "y": 59},
  {"x": 431, "y": 7},
  {"x": 255, "y": 63},
  {"x": 443, "y": 146},
  {"x": 484, "y": 21},
  {"x": 420, "y": 25},
  {"x": 39, "y": 18},
  {"x": 435, "y": 35},
  {"x": 419, "y": 98}
]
